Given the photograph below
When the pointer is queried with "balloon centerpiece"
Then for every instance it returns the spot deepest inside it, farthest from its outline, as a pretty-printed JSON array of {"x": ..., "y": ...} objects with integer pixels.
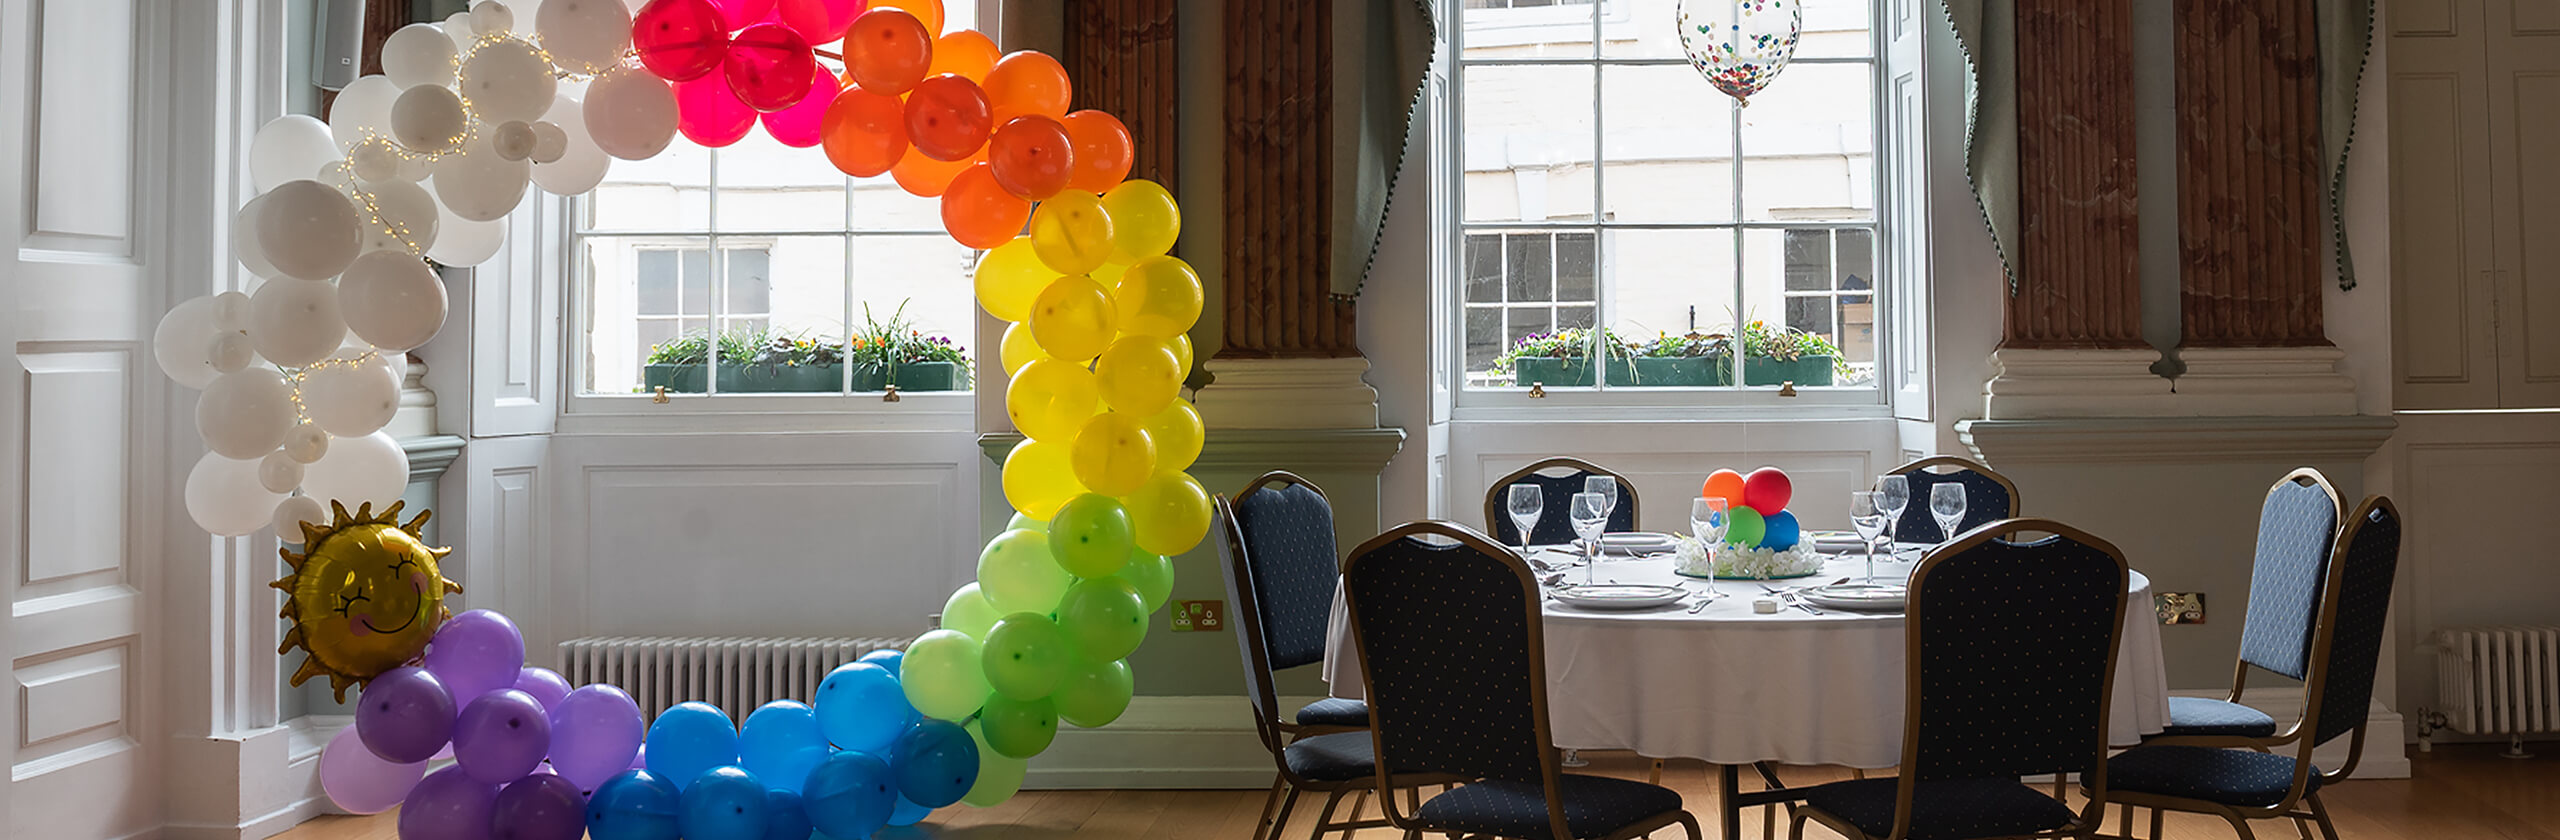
[
  {"x": 1762, "y": 539},
  {"x": 364, "y": 596}
]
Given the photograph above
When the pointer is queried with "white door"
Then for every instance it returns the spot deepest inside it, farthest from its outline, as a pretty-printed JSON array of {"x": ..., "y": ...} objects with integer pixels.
[{"x": 77, "y": 280}]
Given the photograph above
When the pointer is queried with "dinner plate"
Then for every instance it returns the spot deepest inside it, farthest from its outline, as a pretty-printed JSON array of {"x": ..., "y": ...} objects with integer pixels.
[
  {"x": 1855, "y": 596},
  {"x": 1617, "y": 596},
  {"x": 1635, "y": 542}
]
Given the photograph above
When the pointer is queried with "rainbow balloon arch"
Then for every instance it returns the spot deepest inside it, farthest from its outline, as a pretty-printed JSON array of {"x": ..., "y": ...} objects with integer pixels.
[{"x": 420, "y": 164}]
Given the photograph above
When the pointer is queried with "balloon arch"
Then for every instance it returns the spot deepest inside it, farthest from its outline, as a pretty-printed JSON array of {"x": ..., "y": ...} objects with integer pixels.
[{"x": 421, "y": 162}]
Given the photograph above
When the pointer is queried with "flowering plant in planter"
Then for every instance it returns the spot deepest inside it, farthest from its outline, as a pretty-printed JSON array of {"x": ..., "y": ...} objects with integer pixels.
[
  {"x": 1563, "y": 358},
  {"x": 893, "y": 351}
]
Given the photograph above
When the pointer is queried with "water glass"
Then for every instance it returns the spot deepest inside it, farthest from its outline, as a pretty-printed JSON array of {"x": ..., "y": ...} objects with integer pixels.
[
  {"x": 1946, "y": 503},
  {"x": 1707, "y": 522},
  {"x": 1893, "y": 496},
  {"x": 1607, "y": 487},
  {"x": 1590, "y": 515},
  {"x": 1527, "y": 501},
  {"x": 1869, "y": 519}
]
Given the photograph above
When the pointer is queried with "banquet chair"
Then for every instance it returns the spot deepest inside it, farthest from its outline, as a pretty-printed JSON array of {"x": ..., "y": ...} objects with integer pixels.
[
  {"x": 1560, "y": 478},
  {"x": 2255, "y": 782},
  {"x": 2295, "y": 527},
  {"x": 1452, "y": 648},
  {"x": 2009, "y": 670},
  {"x": 1988, "y": 496}
]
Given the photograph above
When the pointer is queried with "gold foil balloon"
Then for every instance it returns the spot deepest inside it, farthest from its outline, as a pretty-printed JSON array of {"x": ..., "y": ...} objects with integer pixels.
[{"x": 364, "y": 597}]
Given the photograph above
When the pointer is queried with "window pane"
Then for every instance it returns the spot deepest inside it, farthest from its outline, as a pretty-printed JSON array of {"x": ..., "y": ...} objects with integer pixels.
[
  {"x": 1570, "y": 317},
  {"x": 1836, "y": 28},
  {"x": 1858, "y": 331},
  {"x": 697, "y": 281},
  {"x": 650, "y": 333},
  {"x": 750, "y": 281},
  {"x": 1527, "y": 321},
  {"x": 1667, "y": 148},
  {"x": 798, "y": 282},
  {"x": 1527, "y": 28},
  {"x": 1808, "y": 146},
  {"x": 1810, "y": 314},
  {"x": 657, "y": 293},
  {"x": 1484, "y": 268},
  {"x": 1577, "y": 259},
  {"x": 618, "y": 338},
  {"x": 879, "y": 204},
  {"x": 767, "y": 186},
  {"x": 1528, "y": 264},
  {"x": 1808, "y": 260},
  {"x": 1483, "y": 339},
  {"x": 926, "y": 280},
  {"x": 1856, "y": 250},
  {"x": 1805, "y": 323},
  {"x": 1527, "y": 143},
  {"x": 667, "y": 193},
  {"x": 1665, "y": 285}
]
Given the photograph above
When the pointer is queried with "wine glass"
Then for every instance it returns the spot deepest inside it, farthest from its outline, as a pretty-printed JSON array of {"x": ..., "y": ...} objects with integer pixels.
[
  {"x": 1946, "y": 502},
  {"x": 1607, "y": 487},
  {"x": 1707, "y": 522},
  {"x": 1893, "y": 496},
  {"x": 1867, "y": 515},
  {"x": 1590, "y": 514},
  {"x": 1527, "y": 501}
]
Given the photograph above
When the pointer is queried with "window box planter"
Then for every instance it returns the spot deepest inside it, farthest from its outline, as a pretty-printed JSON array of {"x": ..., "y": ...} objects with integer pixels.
[
  {"x": 1680, "y": 371},
  {"x": 1805, "y": 371},
  {"x": 911, "y": 376},
  {"x": 1562, "y": 372},
  {"x": 748, "y": 378}
]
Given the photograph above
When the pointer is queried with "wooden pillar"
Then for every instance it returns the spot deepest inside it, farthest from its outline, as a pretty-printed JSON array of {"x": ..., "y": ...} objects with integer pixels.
[
  {"x": 1279, "y": 186},
  {"x": 2249, "y": 174},
  {"x": 1121, "y": 55},
  {"x": 2078, "y": 283}
]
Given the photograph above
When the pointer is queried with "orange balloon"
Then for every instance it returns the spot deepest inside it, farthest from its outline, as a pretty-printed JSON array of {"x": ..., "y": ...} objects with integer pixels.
[
  {"x": 888, "y": 50},
  {"x": 1103, "y": 151},
  {"x": 979, "y": 213},
  {"x": 1027, "y": 82},
  {"x": 1032, "y": 156},
  {"x": 947, "y": 117},
  {"x": 924, "y": 176},
  {"x": 864, "y": 133},
  {"x": 929, "y": 12},
  {"x": 967, "y": 53},
  {"x": 1726, "y": 485}
]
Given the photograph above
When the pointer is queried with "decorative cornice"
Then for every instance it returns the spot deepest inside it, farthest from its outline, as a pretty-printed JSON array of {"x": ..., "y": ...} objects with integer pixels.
[
  {"x": 2176, "y": 440},
  {"x": 1301, "y": 450},
  {"x": 430, "y": 456}
]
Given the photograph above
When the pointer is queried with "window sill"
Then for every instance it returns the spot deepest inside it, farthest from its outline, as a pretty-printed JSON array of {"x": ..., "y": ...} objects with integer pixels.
[{"x": 945, "y": 411}]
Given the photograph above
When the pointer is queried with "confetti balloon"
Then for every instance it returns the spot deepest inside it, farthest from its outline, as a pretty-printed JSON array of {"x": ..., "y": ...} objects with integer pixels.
[{"x": 1740, "y": 45}]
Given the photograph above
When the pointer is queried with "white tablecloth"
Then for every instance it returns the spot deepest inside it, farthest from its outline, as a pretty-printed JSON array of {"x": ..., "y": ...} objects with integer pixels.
[{"x": 1730, "y": 686}]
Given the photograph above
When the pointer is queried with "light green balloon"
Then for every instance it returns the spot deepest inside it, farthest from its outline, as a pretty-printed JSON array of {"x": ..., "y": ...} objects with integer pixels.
[
  {"x": 1091, "y": 535},
  {"x": 1744, "y": 527},
  {"x": 1152, "y": 574},
  {"x": 1026, "y": 656},
  {"x": 1094, "y": 693},
  {"x": 1025, "y": 523},
  {"x": 999, "y": 775},
  {"x": 942, "y": 675},
  {"x": 969, "y": 612},
  {"x": 1019, "y": 728},
  {"x": 1105, "y": 617},
  {"x": 1016, "y": 573}
]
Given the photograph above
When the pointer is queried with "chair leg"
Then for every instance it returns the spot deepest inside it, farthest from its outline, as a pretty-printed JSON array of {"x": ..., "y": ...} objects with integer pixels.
[
  {"x": 2320, "y": 812},
  {"x": 1656, "y": 778},
  {"x": 1857, "y": 772},
  {"x": 1795, "y": 827},
  {"x": 1280, "y": 819},
  {"x": 1690, "y": 822},
  {"x": 1269, "y": 801},
  {"x": 1324, "y": 818},
  {"x": 1360, "y": 798},
  {"x": 2241, "y": 827},
  {"x": 2155, "y": 823},
  {"x": 2302, "y": 826}
]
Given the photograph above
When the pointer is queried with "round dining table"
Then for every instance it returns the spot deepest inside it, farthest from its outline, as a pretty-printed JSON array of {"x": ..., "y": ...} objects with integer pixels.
[{"x": 1732, "y": 686}]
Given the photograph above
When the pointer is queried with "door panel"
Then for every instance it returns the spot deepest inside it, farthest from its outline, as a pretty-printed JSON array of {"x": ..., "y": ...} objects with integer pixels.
[
  {"x": 2523, "y": 59},
  {"x": 2444, "y": 266}
]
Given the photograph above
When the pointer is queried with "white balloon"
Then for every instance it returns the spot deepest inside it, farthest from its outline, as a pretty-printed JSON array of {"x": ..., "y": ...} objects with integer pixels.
[
  {"x": 348, "y": 399},
  {"x": 225, "y": 498},
  {"x": 513, "y": 139},
  {"x": 583, "y": 36},
  {"x": 289, "y": 148},
  {"x": 245, "y": 414},
  {"x": 477, "y": 184},
  {"x": 581, "y": 165},
  {"x": 231, "y": 312},
  {"x": 506, "y": 79},
  {"x": 278, "y": 473},
  {"x": 363, "y": 107},
  {"x": 183, "y": 343},
  {"x": 231, "y": 351},
  {"x": 308, "y": 230},
  {"x": 461, "y": 241},
  {"x": 457, "y": 28},
  {"x": 306, "y": 443},
  {"x": 418, "y": 54},
  {"x": 295, "y": 322},
  {"x": 550, "y": 142},
  {"x": 375, "y": 160},
  {"x": 244, "y": 240},
  {"x": 399, "y": 216},
  {"x": 630, "y": 113},
  {"x": 415, "y": 169},
  {"x": 369, "y": 468},
  {"x": 428, "y": 119},
  {"x": 490, "y": 17},
  {"x": 393, "y": 301},
  {"x": 295, "y": 510}
]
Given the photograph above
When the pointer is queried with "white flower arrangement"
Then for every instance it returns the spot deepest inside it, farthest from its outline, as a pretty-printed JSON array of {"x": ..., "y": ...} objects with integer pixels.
[{"x": 1736, "y": 562}]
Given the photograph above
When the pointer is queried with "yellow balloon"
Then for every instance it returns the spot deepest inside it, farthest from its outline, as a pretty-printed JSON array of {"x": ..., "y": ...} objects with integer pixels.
[
  {"x": 1010, "y": 278},
  {"x": 1159, "y": 297},
  {"x": 1113, "y": 455},
  {"x": 1050, "y": 400},
  {"x": 1073, "y": 319},
  {"x": 1138, "y": 375},
  {"x": 1018, "y": 348},
  {"x": 1144, "y": 220},
  {"x": 1170, "y": 513},
  {"x": 1109, "y": 275},
  {"x": 1071, "y": 232},
  {"x": 1176, "y": 432},
  {"x": 1039, "y": 476},
  {"x": 1181, "y": 345}
]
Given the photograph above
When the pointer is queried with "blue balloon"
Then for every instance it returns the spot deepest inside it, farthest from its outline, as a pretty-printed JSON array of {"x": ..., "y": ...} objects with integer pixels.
[
  {"x": 886, "y": 658},
  {"x": 633, "y": 805},
  {"x": 780, "y": 744},
  {"x": 907, "y": 813},
  {"x": 724, "y": 803},
  {"x": 849, "y": 795},
  {"x": 1779, "y": 531},
  {"x": 785, "y": 819},
  {"x": 688, "y": 739},
  {"x": 935, "y": 763},
  {"x": 862, "y": 708}
]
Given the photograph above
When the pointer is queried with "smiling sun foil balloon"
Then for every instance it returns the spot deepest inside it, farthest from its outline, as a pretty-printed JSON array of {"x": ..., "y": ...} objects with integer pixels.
[{"x": 364, "y": 597}]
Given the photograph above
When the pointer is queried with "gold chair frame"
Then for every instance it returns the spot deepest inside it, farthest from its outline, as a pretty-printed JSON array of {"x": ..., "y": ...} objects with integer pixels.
[
  {"x": 1932, "y": 462},
  {"x": 1495, "y": 507}
]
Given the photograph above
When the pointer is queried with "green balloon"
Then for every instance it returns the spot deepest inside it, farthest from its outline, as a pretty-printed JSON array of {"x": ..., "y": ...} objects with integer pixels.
[
  {"x": 1105, "y": 617},
  {"x": 1026, "y": 656},
  {"x": 1017, "y": 575},
  {"x": 1745, "y": 527},
  {"x": 942, "y": 675},
  {"x": 999, "y": 775},
  {"x": 1019, "y": 728},
  {"x": 1025, "y": 523},
  {"x": 969, "y": 612},
  {"x": 1094, "y": 693},
  {"x": 1091, "y": 535},
  {"x": 1152, "y": 574}
]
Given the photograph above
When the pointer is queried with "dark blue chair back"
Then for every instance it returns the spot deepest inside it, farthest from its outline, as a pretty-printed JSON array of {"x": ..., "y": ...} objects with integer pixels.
[
  {"x": 2012, "y": 654},
  {"x": 1449, "y": 640},
  {"x": 1555, "y": 515},
  {"x": 2296, "y": 528},
  {"x": 1988, "y": 497},
  {"x": 2368, "y": 558},
  {"x": 1279, "y": 569}
]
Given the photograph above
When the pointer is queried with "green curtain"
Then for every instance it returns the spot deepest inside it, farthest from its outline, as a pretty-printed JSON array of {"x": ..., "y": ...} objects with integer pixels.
[{"x": 1394, "y": 52}]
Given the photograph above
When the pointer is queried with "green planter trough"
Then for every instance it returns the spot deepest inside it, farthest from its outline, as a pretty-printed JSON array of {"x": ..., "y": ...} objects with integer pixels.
[{"x": 748, "y": 379}]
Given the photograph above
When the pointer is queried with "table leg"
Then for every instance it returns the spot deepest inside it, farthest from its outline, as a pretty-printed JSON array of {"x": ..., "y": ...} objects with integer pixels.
[
  {"x": 1573, "y": 758},
  {"x": 1729, "y": 800}
]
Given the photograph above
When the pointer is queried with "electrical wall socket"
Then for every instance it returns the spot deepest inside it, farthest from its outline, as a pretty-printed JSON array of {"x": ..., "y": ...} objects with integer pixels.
[{"x": 1199, "y": 616}]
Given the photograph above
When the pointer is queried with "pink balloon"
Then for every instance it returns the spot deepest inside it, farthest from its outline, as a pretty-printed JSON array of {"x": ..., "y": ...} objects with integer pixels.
[
  {"x": 708, "y": 113},
  {"x": 802, "y": 125},
  {"x": 768, "y": 66},
  {"x": 680, "y": 40},
  {"x": 820, "y": 21},
  {"x": 360, "y": 781},
  {"x": 741, "y": 14}
]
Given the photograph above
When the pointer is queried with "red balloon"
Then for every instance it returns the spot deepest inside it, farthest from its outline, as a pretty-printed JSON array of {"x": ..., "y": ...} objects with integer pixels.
[
  {"x": 769, "y": 66},
  {"x": 740, "y": 14},
  {"x": 980, "y": 213},
  {"x": 804, "y": 123},
  {"x": 1032, "y": 157},
  {"x": 819, "y": 21},
  {"x": 1103, "y": 151},
  {"x": 887, "y": 51},
  {"x": 947, "y": 117},
  {"x": 1027, "y": 82},
  {"x": 1768, "y": 490},
  {"x": 680, "y": 40},
  {"x": 866, "y": 133},
  {"x": 708, "y": 113},
  {"x": 924, "y": 176}
]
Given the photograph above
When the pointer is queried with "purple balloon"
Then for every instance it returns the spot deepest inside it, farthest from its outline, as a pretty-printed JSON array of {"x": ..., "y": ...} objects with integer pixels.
[
  {"x": 501, "y": 736},
  {"x": 448, "y": 805},
  {"x": 546, "y": 686},
  {"x": 361, "y": 782},
  {"x": 539, "y": 807},
  {"x": 475, "y": 653},
  {"x": 405, "y": 715},
  {"x": 595, "y": 733}
]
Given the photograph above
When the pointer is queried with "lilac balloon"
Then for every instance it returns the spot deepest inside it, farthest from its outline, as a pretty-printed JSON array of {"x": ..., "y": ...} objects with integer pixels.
[
  {"x": 546, "y": 686},
  {"x": 405, "y": 715},
  {"x": 475, "y": 653},
  {"x": 361, "y": 782},
  {"x": 539, "y": 807},
  {"x": 595, "y": 733},
  {"x": 448, "y": 805},
  {"x": 501, "y": 736}
]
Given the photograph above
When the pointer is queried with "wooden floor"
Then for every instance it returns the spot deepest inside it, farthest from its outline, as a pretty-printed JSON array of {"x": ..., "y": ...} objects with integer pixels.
[{"x": 2455, "y": 793}]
